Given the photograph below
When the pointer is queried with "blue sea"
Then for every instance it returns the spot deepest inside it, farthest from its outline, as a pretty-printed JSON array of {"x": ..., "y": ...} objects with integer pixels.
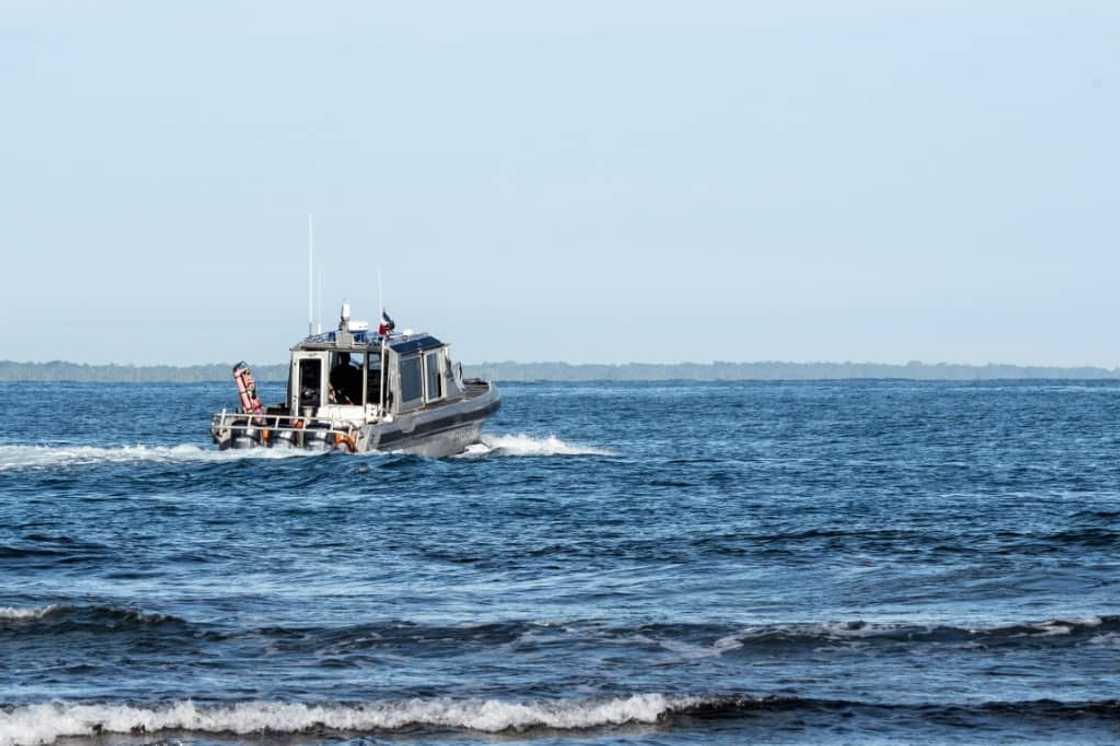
[{"x": 628, "y": 563}]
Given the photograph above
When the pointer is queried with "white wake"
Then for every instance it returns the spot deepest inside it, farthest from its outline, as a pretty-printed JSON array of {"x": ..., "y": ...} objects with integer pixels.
[
  {"x": 42, "y": 456},
  {"x": 47, "y": 456},
  {"x": 30, "y": 725},
  {"x": 521, "y": 444}
]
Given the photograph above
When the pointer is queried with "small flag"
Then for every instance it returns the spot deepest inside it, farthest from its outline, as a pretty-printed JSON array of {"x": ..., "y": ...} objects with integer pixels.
[{"x": 387, "y": 325}]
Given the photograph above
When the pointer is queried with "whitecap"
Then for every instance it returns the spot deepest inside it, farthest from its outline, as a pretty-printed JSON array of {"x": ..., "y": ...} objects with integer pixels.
[
  {"x": 692, "y": 651},
  {"x": 10, "y": 613},
  {"x": 1049, "y": 629}
]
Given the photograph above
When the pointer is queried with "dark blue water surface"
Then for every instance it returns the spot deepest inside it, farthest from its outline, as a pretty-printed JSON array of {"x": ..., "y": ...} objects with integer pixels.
[{"x": 872, "y": 562}]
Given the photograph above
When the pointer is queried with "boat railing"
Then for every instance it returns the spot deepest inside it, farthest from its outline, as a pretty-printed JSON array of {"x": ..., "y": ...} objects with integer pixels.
[{"x": 226, "y": 420}]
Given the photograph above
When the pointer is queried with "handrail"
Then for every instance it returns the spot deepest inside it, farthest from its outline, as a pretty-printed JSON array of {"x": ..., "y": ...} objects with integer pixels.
[{"x": 244, "y": 421}]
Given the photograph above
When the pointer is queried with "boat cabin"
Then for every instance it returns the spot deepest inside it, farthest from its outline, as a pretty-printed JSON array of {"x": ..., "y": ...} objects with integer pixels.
[{"x": 353, "y": 375}]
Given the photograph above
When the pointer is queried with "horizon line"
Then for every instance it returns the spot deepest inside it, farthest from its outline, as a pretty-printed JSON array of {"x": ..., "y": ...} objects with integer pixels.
[{"x": 710, "y": 363}]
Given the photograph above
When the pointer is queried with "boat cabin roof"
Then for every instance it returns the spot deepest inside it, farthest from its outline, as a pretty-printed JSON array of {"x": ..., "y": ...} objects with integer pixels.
[
  {"x": 414, "y": 343},
  {"x": 365, "y": 341}
]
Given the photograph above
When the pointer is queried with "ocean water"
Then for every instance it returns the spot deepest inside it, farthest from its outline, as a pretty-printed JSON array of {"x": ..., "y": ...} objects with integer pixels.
[{"x": 787, "y": 563}]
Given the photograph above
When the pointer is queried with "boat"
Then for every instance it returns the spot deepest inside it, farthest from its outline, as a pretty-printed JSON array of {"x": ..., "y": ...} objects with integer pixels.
[{"x": 357, "y": 390}]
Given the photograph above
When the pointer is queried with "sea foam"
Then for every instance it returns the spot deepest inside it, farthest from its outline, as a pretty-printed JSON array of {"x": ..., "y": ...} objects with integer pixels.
[{"x": 30, "y": 725}]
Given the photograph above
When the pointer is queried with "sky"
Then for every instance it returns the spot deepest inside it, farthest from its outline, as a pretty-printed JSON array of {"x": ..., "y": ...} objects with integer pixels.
[{"x": 585, "y": 181}]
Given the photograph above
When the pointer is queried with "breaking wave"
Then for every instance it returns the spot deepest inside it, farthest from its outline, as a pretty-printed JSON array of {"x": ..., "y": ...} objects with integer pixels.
[
  {"x": 41, "y": 456},
  {"x": 28, "y": 725},
  {"x": 37, "y": 724},
  {"x": 521, "y": 444},
  {"x": 13, "y": 614},
  {"x": 57, "y": 616}
]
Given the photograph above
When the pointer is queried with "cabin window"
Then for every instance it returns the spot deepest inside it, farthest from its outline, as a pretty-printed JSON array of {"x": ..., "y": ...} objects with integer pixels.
[
  {"x": 435, "y": 380},
  {"x": 310, "y": 382},
  {"x": 346, "y": 378},
  {"x": 411, "y": 379},
  {"x": 373, "y": 377}
]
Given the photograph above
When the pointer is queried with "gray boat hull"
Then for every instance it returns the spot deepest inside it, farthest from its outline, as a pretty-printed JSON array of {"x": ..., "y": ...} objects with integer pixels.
[{"x": 435, "y": 432}]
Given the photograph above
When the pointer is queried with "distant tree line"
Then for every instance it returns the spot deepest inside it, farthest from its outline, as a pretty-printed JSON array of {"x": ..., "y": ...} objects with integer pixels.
[
  {"x": 779, "y": 371},
  {"x": 511, "y": 371},
  {"x": 81, "y": 372}
]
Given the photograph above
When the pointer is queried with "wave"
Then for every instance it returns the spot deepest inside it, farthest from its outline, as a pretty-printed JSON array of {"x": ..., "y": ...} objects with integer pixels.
[
  {"x": 42, "y": 456},
  {"x": 689, "y": 640},
  {"x": 714, "y": 640},
  {"x": 27, "y": 725},
  {"x": 521, "y": 444},
  {"x": 14, "y": 614},
  {"x": 60, "y": 617},
  {"x": 35, "y": 724},
  {"x": 1051, "y": 631}
]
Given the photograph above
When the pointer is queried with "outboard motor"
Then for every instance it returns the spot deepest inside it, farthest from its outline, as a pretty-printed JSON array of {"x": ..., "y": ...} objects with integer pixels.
[
  {"x": 318, "y": 439},
  {"x": 283, "y": 439},
  {"x": 246, "y": 435}
]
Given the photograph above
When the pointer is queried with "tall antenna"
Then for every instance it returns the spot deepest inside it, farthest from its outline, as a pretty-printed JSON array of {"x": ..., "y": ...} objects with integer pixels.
[
  {"x": 310, "y": 275},
  {"x": 321, "y": 273}
]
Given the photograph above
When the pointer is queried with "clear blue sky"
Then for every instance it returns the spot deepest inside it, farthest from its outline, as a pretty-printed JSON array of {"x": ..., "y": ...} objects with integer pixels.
[{"x": 586, "y": 181}]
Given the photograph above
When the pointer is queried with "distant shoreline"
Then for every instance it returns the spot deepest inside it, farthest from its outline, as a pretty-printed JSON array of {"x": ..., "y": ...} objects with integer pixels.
[{"x": 510, "y": 371}]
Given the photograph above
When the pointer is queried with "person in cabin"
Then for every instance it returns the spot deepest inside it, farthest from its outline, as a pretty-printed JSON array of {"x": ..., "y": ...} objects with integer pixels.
[{"x": 346, "y": 381}]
